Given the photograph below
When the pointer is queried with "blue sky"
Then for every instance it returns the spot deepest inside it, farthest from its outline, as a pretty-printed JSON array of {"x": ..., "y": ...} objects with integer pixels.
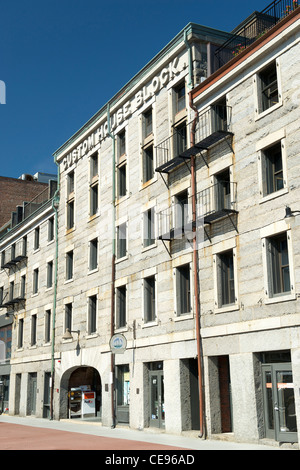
[{"x": 62, "y": 60}]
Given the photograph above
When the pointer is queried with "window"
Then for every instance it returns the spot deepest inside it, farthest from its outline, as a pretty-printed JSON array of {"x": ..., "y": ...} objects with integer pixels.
[
  {"x": 149, "y": 299},
  {"x": 49, "y": 274},
  {"x": 179, "y": 98},
  {"x": 268, "y": 82},
  {"x": 219, "y": 116},
  {"x": 51, "y": 229},
  {"x": 94, "y": 165},
  {"x": 47, "y": 326},
  {"x": 222, "y": 191},
  {"x": 121, "y": 180},
  {"x": 70, "y": 214},
  {"x": 147, "y": 123},
  {"x": 121, "y": 307},
  {"x": 23, "y": 286},
  {"x": 181, "y": 215},
  {"x": 122, "y": 387},
  {"x": 148, "y": 167},
  {"x": 70, "y": 184},
  {"x": 11, "y": 290},
  {"x": 93, "y": 263},
  {"x": 68, "y": 316},
  {"x": 147, "y": 146},
  {"x": 69, "y": 265},
  {"x": 226, "y": 286},
  {"x": 70, "y": 199},
  {"x": 121, "y": 165},
  {"x": 121, "y": 144},
  {"x": 149, "y": 230},
  {"x": 94, "y": 184},
  {"x": 20, "y": 333},
  {"x": 180, "y": 139},
  {"x": 33, "y": 329},
  {"x": 278, "y": 265},
  {"x": 121, "y": 241},
  {"x": 272, "y": 167},
  {"x": 94, "y": 199},
  {"x": 92, "y": 314},
  {"x": 35, "y": 286},
  {"x": 183, "y": 290},
  {"x": 36, "y": 243}
]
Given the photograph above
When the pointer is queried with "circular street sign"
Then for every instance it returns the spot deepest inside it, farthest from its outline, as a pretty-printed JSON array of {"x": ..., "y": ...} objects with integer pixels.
[{"x": 118, "y": 344}]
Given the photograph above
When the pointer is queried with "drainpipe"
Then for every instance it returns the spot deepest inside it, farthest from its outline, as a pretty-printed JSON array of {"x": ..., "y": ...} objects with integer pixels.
[
  {"x": 189, "y": 49},
  {"x": 55, "y": 204},
  {"x": 113, "y": 269},
  {"x": 195, "y": 268}
]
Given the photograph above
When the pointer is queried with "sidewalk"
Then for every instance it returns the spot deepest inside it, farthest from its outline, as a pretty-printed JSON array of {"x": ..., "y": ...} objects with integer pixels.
[{"x": 134, "y": 438}]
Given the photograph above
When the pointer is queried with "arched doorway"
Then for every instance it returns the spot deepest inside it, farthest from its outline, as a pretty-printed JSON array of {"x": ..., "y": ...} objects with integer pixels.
[{"x": 82, "y": 378}]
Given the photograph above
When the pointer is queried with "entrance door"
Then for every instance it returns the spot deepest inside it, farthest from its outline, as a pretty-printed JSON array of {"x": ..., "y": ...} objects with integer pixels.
[
  {"x": 157, "y": 404},
  {"x": 32, "y": 393},
  {"x": 279, "y": 400}
]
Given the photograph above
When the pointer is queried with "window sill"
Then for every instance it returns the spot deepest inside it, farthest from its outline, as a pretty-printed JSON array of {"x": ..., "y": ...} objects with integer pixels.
[
  {"x": 268, "y": 111},
  {"x": 119, "y": 260},
  {"x": 183, "y": 316},
  {"x": 94, "y": 216},
  {"x": 121, "y": 199},
  {"x": 280, "y": 298},
  {"x": 121, "y": 329},
  {"x": 92, "y": 271},
  {"x": 272, "y": 196},
  {"x": 92, "y": 335},
  {"x": 150, "y": 247},
  {"x": 34, "y": 295},
  {"x": 68, "y": 281},
  {"x": 148, "y": 183},
  {"x": 70, "y": 230},
  {"x": 229, "y": 308},
  {"x": 149, "y": 324}
]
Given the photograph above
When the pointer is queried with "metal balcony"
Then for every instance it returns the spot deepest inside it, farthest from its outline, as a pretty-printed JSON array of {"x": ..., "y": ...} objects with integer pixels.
[
  {"x": 212, "y": 204},
  {"x": 217, "y": 201},
  {"x": 211, "y": 126},
  {"x": 14, "y": 254},
  {"x": 10, "y": 297}
]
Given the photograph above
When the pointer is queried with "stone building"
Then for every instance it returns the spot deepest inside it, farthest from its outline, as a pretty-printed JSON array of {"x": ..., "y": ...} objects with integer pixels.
[{"x": 175, "y": 295}]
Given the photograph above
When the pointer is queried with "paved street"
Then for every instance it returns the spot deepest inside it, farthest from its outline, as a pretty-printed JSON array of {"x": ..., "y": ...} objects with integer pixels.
[{"x": 41, "y": 434}]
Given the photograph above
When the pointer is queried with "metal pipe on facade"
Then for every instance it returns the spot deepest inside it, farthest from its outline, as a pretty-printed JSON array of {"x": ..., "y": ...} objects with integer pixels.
[
  {"x": 189, "y": 49},
  {"x": 195, "y": 269},
  {"x": 55, "y": 204},
  {"x": 113, "y": 272}
]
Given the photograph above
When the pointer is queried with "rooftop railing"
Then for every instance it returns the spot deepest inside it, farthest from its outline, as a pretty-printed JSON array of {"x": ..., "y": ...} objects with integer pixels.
[{"x": 256, "y": 26}]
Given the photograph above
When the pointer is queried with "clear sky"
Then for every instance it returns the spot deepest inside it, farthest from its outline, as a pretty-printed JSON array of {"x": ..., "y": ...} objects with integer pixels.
[{"x": 62, "y": 60}]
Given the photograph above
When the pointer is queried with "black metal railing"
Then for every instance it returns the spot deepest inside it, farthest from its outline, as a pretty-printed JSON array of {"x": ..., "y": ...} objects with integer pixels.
[
  {"x": 257, "y": 25},
  {"x": 208, "y": 128},
  {"x": 212, "y": 204},
  {"x": 216, "y": 201},
  {"x": 211, "y": 126},
  {"x": 171, "y": 148},
  {"x": 12, "y": 296}
]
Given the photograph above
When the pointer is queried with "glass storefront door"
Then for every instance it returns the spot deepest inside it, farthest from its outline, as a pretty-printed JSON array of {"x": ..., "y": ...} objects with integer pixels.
[
  {"x": 279, "y": 402},
  {"x": 157, "y": 404}
]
